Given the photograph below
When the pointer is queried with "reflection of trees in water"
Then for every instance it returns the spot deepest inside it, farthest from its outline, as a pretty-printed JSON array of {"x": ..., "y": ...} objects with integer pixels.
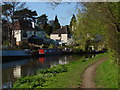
[
  {"x": 74, "y": 57},
  {"x": 64, "y": 59},
  {"x": 89, "y": 55},
  {"x": 32, "y": 67},
  {"x": 8, "y": 78},
  {"x": 29, "y": 67}
]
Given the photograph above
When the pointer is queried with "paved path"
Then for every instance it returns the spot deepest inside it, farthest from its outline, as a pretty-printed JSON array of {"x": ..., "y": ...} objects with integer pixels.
[{"x": 89, "y": 73}]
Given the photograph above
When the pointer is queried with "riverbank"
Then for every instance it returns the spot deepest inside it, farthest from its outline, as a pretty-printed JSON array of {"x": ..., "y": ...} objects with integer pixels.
[
  {"x": 107, "y": 75},
  {"x": 71, "y": 78}
]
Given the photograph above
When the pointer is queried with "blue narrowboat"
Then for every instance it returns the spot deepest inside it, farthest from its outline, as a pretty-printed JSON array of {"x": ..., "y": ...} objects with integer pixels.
[
  {"x": 8, "y": 55},
  {"x": 50, "y": 51}
]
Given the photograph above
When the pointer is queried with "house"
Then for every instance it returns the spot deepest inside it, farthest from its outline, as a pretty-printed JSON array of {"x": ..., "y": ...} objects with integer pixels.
[
  {"x": 60, "y": 35},
  {"x": 24, "y": 30}
]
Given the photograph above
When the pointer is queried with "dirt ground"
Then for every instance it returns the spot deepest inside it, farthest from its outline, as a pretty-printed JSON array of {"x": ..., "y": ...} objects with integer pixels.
[{"x": 89, "y": 74}]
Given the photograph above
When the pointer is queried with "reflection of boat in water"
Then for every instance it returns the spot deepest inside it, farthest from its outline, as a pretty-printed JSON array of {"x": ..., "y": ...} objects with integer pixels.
[
  {"x": 50, "y": 51},
  {"x": 42, "y": 59}
]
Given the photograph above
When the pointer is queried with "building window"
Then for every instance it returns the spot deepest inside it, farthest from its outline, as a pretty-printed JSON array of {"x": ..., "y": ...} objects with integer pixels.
[
  {"x": 59, "y": 35},
  {"x": 24, "y": 34},
  {"x": 34, "y": 33}
]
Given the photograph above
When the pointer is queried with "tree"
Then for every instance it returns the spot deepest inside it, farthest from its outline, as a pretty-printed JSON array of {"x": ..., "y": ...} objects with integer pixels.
[
  {"x": 15, "y": 11},
  {"x": 51, "y": 23},
  {"x": 48, "y": 29},
  {"x": 72, "y": 23},
  {"x": 8, "y": 9},
  {"x": 42, "y": 21},
  {"x": 5, "y": 32},
  {"x": 87, "y": 28},
  {"x": 102, "y": 18},
  {"x": 56, "y": 24},
  {"x": 110, "y": 16},
  {"x": 42, "y": 24},
  {"x": 25, "y": 14}
]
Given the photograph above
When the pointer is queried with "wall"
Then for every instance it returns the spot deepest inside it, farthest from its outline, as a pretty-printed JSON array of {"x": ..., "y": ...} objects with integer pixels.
[
  {"x": 18, "y": 35},
  {"x": 54, "y": 37},
  {"x": 64, "y": 37}
]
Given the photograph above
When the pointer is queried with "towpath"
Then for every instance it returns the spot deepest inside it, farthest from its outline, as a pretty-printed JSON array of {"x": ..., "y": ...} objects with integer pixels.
[{"x": 89, "y": 73}]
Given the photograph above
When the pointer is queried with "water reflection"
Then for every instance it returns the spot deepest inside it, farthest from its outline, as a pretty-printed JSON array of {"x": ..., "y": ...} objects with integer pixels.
[
  {"x": 89, "y": 55},
  {"x": 17, "y": 71},
  {"x": 42, "y": 59},
  {"x": 11, "y": 71}
]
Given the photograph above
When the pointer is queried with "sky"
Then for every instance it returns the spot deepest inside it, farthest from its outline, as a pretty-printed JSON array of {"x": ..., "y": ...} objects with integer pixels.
[{"x": 63, "y": 11}]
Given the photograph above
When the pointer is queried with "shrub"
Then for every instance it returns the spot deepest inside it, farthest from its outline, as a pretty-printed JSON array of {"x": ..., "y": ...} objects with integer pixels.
[
  {"x": 39, "y": 80},
  {"x": 58, "y": 69},
  {"x": 29, "y": 82},
  {"x": 55, "y": 69},
  {"x": 24, "y": 45},
  {"x": 42, "y": 71}
]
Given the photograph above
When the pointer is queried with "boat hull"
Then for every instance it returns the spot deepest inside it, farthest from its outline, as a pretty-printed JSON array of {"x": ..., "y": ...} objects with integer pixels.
[
  {"x": 10, "y": 55},
  {"x": 50, "y": 51}
]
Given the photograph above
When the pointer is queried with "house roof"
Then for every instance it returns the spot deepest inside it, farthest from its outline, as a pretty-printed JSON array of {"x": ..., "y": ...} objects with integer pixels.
[
  {"x": 22, "y": 26},
  {"x": 62, "y": 30}
]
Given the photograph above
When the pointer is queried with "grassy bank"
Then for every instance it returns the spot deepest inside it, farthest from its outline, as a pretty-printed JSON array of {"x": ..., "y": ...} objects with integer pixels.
[
  {"x": 60, "y": 76},
  {"x": 107, "y": 75}
]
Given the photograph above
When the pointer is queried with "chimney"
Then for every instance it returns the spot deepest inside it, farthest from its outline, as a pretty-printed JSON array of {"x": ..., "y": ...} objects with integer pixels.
[{"x": 33, "y": 24}]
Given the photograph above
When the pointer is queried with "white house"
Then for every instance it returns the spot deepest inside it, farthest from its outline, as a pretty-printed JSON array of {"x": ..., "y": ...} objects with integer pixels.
[
  {"x": 60, "y": 35},
  {"x": 25, "y": 30}
]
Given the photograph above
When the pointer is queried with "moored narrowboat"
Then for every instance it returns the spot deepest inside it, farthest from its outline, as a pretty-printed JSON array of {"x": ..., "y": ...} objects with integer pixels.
[
  {"x": 9, "y": 55},
  {"x": 49, "y": 51}
]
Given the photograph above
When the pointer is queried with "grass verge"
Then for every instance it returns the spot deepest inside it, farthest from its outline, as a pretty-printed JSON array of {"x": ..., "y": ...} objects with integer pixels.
[
  {"x": 107, "y": 75},
  {"x": 68, "y": 76}
]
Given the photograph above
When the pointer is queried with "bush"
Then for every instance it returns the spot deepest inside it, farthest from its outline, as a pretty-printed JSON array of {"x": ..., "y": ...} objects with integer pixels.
[
  {"x": 51, "y": 46},
  {"x": 58, "y": 69},
  {"x": 45, "y": 46},
  {"x": 42, "y": 71},
  {"x": 55, "y": 69},
  {"x": 76, "y": 50},
  {"x": 5, "y": 42},
  {"x": 24, "y": 45},
  {"x": 29, "y": 82},
  {"x": 39, "y": 80}
]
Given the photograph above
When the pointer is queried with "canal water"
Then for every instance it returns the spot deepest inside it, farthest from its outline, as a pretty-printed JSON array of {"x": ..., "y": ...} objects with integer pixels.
[{"x": 11, "y": 71}]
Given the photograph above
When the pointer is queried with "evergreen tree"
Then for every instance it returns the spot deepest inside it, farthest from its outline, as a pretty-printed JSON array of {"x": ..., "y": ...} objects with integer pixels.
[
  {"x": 48, "y": 29},
  {"x": 73, "y": 22},
  {"x": 42, "y": 21},
  {"x": 25, "y": 14},
  {"x": 42, "y": 24},
  {"x": 56, "y": 24}
]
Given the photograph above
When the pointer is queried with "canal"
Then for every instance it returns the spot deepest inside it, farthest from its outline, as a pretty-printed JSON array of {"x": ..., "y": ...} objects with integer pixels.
[{"x": 11, "y": 71}]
